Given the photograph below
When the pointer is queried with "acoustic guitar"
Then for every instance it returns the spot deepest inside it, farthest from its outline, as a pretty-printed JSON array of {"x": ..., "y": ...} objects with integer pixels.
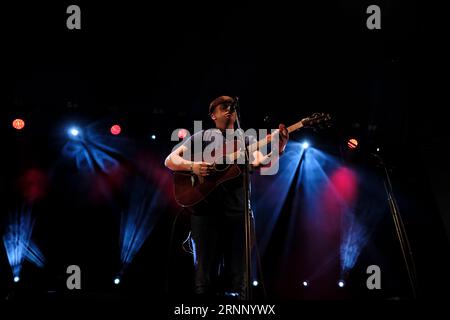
[{"x": 191, "y": 189}]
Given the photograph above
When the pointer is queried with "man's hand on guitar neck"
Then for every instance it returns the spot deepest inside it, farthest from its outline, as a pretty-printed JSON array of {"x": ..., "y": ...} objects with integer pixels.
[
  {"x": 261, "y": 160},
  {"x": 284, "y": 137}
]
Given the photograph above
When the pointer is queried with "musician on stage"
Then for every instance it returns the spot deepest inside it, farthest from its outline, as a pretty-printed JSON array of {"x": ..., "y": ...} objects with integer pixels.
[{"x": 217, "y": 222}]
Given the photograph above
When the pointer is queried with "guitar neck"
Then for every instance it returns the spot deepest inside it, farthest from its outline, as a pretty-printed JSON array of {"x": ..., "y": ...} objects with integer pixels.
[
  {"x": 315, "y": 119},
  {"x": 263, "y": 142}
]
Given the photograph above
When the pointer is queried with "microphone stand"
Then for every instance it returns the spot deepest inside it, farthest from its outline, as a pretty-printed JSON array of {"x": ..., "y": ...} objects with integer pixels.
[
  {"x": 247, "y": 210},
  {"x": 399, "y": 227}
]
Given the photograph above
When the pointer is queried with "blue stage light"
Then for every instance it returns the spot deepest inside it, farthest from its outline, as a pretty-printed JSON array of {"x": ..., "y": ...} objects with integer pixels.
[{"x": 74, "y": 132}]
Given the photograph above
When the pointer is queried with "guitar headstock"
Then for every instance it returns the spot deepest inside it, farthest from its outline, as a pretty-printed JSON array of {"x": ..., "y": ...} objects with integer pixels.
[{"x": 317, "y": 120}]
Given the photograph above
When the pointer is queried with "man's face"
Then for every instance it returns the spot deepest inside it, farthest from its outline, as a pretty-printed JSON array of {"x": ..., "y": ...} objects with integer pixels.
[{"x": 222, "y": 114}]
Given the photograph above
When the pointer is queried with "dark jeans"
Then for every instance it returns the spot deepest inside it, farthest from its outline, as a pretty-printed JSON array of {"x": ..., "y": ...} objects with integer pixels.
[{"x": 218, "y": 242}]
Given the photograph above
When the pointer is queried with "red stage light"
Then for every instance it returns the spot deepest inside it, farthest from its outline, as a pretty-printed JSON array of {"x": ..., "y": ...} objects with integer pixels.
[
  {"x": 116, "y": 129},
  {"x": 352, "y": 143},
  {"x": 182, "y": 133},
  {"x": 18, "y": 124}
]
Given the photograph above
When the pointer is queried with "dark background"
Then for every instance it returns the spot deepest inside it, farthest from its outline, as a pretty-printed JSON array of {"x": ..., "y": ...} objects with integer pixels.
[{"x": 155, "y": 68}]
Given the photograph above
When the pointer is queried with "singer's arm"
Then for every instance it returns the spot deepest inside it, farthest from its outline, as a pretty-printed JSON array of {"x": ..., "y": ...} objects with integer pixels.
[{"x": 261, "y": 160}]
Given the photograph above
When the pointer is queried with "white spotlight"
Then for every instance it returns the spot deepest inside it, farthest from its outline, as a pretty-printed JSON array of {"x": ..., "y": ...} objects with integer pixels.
[
  {"x": 341, "y": 283},
  {"x": 74, "y": 132},
  {"x": 305, "y": 283},
  {"x": 16, "y": 279},
  {"x": 305, "y": 145}
]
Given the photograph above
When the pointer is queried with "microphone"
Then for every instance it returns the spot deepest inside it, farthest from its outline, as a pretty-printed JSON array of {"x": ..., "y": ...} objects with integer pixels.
[{"x": 234, "y": 105}]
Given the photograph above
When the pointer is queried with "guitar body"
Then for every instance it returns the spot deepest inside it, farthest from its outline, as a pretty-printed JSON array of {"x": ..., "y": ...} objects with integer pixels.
[{"x": 191, "y": 189}]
